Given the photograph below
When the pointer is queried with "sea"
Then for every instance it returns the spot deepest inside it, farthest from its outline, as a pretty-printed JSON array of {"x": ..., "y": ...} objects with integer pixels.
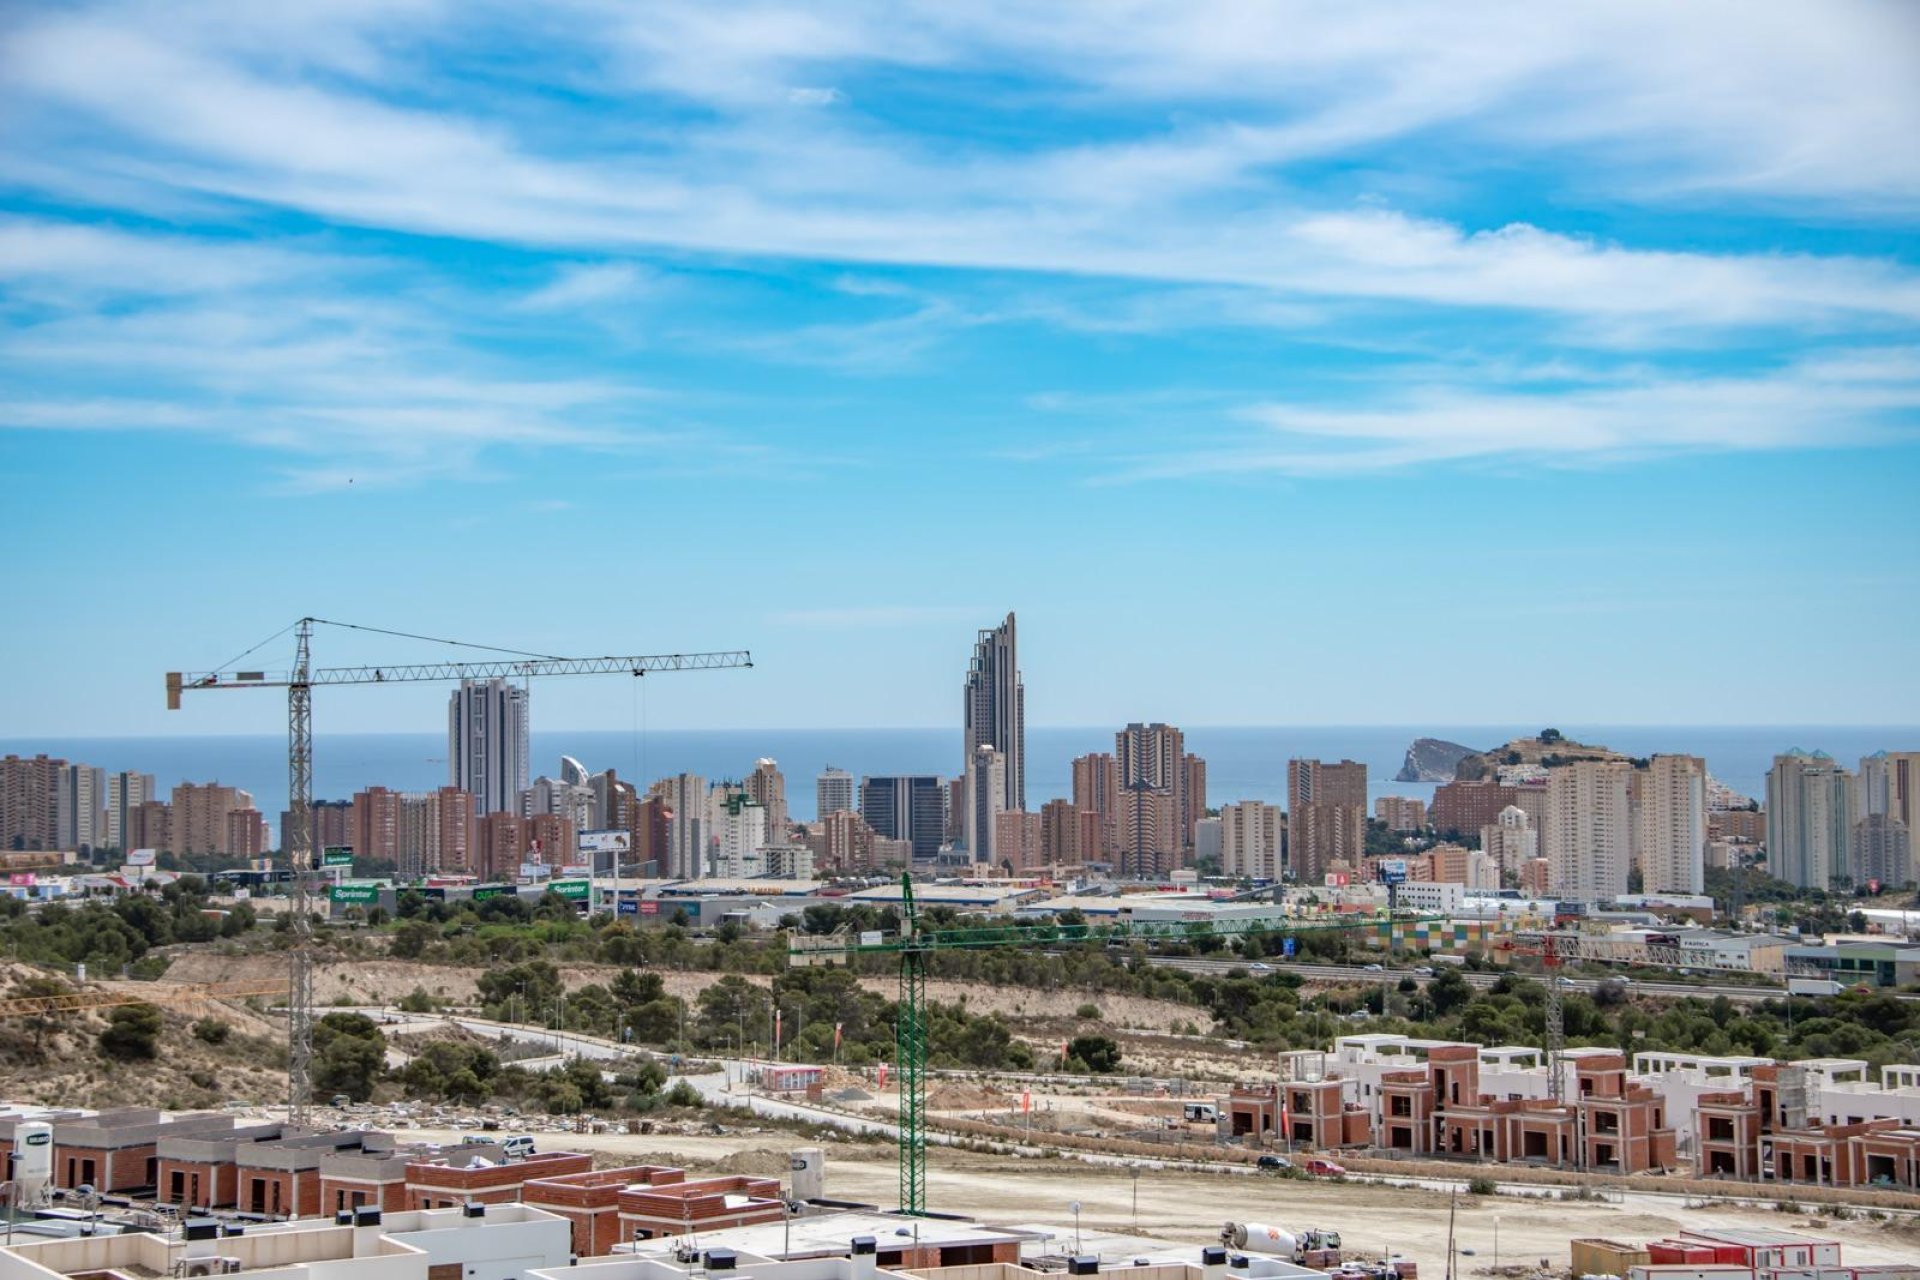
[{"x": 1243, "y": 763}]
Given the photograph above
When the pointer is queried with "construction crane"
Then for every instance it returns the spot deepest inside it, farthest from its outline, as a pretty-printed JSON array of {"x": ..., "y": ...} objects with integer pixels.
[
  {"x": 1557, "y": 948},
  {"x": 297, "y": 841},
  {"x": 914, "y": 945},
  {"x": 82, "y": 1001}
]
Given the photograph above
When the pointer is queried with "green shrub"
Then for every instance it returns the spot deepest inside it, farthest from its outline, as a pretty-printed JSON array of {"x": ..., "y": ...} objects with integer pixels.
[{"x": 211, "y": 1031}]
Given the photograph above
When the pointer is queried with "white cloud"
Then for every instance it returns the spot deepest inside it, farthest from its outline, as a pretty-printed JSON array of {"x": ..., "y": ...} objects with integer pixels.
[
  {"x": 586, "y": 285},
  {"x": 1193, "y": 191},
  {"x": 1847, "y": 401},
  {"x": 815, "y": 97}
]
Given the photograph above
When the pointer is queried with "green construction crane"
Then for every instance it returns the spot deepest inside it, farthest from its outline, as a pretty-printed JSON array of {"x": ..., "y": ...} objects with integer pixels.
[{"x": 913, "y": 945}]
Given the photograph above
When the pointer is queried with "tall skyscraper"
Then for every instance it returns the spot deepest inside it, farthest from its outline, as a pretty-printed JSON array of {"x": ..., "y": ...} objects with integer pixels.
[
  {"x": 1672, "y": 821},
  {"x": 1193, "y": 796},
  {"x": 1326, "y": 816},
  {"x": 986, "y": 800},
  {"x": 1069, "y": 835},
  {"x": 1151, "y": 758},
  {"x": 1250, "y": 840},
  {"x": 126, "y": 792},
  {"x": 768, "y": 787},
  {"x": 1873, "y": 785},
  {"x": 994, "y": 707},
  {"x": 29, "y": 802},
  {"x": 1903, "y": 788},
  {"x": 685, "y": 795},
  {"x": 80, "y": 795},
  {"x": 911, "y": 808},
  {"x": 1588, "y": 835},
  {"x": 1809, "y": 818},
  {"x": 487, "y": 743},
  {"x": 1096, "y": 790},
  {"x": 832, "y": 793},
  {"x": 743, "y": 834}
]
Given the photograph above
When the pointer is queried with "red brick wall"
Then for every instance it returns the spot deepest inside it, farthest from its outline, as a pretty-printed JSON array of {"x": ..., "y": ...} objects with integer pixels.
[
  {"x": 217, "y": 1186},
  {"x": 124, "y": 1170},
  {"x": 338, "y": 1193},
  {"x": 439, "y": 1185},
  {"x": 298, "y": 1191}
]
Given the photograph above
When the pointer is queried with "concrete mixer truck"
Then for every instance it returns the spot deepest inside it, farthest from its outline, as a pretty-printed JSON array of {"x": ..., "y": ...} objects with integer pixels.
[{"x": 1310, "y": 1247}]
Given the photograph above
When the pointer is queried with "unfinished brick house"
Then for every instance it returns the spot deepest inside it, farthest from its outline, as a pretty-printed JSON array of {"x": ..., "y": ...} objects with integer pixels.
[
  {"x": 1766, "y": 1130},
  {"x": 591, "y": 1201},
  {"x": 1316, "y": 1114},
  {"x": 706, "y": 1204},
  {"x": 482, "y": 1174}
]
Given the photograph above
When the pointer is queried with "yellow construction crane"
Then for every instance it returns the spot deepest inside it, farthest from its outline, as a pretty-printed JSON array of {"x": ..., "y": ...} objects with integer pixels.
[
  {"x": 81, "y": 1001},
  {"x": 296, "y": 842}
]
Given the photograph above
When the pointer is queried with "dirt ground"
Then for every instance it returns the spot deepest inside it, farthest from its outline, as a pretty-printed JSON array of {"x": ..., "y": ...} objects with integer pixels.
[{"x": 1188, "y": 1209}]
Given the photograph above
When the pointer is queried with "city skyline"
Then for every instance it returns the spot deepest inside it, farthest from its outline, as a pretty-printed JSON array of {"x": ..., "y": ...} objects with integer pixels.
[{"x": 1480, "y": 347}]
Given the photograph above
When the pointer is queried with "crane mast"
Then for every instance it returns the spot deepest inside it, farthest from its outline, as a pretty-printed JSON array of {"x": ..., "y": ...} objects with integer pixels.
[{"x": 297, "y": 840}]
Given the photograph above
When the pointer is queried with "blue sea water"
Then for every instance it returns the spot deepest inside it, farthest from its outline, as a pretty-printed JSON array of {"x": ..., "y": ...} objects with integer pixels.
[{"x": 1242, "y": 763}]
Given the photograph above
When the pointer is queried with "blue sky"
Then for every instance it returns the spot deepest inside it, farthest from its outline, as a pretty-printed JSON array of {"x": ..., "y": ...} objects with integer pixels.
[{"x": 1284, "y": 363}]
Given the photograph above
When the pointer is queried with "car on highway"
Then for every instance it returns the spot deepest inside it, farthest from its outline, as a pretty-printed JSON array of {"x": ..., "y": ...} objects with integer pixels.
[
  {"x": 1259, "y": 968},
  {"x": 1425, "y": 970},
  {"x": 1375, "y": 968},
  {"x": 1275, "y": 1163},
  {"x": 1324, "y": 1168}
]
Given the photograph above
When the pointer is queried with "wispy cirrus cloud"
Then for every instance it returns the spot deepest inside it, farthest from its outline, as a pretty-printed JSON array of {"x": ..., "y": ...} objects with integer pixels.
[{"x": 1848, "y": 401}]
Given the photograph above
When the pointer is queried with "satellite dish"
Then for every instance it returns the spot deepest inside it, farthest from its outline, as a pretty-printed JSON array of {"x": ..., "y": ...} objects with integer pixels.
[{"x": 1074, "y": 1208}]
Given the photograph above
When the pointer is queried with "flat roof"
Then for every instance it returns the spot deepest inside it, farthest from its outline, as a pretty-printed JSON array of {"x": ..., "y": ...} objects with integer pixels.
[{"x": 831, "y": 1235}]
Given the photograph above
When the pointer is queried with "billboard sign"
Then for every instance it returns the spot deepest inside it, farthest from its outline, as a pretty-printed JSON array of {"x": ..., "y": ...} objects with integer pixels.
[
  {"x": 359, "y": 893},
  {"x": 572, "y": 889},
  {"x": 140, "y": 857},
  {"x": 481, "y": 892},
  {"x": 1393, "y": 871},
  {"x": 629, "y": 907},
  {"x": 337, "y": 855},
  {"x": 611, "y": 841},
  {"x": 1286, "y": 947},
  {"x": 649, "y": 907}
]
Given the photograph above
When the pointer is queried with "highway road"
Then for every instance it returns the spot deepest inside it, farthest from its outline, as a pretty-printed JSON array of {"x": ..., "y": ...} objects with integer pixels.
[{"x": 1480, "y": 978}]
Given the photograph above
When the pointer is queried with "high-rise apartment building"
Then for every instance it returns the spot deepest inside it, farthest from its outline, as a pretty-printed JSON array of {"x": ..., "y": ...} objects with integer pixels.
[
  {"x": 80, "y": 801},
  {"x": 487, "y": 743},
  {"x": 994, "y": 708},
  {"x": 832, "y": 792},
  {"x": 329, "y": 824},
  {"x": 1588, "y": 841},
  {"x": 246, "y": 835},
  {"x": 768, "y": 787},
  {"x": 1251, "y": 838},
  {"x": 1149, "y": 837},
  {"x": 1873, "y": 785},
  {"x": 846, "y": 843},
  {"x": 743, "y": 833},
  {"x": 685, "y": 795},
  {"x": 1153, "y": 757},
  {"x": 1468, "y": 805},
  {"x": 1069, "y": 835},
  {"x": 575, "y": 801},
  {"x": 1511, "y": 840},
  {"x": 1017, "y": 840},
  {"x": 906, "y": 807},
  {"x": 500, "y": 843},
  {"x": 29, "y": 802},
  {"x": 652, "y": 835},
  {"x": 453, "y": 832},
  {"x": 1882, "y": 851},
  {"x": 1809, "y": 818},
  {"x": 986, "y": 799},
  {"x": 1096, "y": 790},
  {"x": 1403, "y": 815},
  {"x": 554, "y": 838},
  {"x": 374, "y": 826},
  {"x": 200, "y": 816},
  {"x": 150, "y": 826},
  {"x": 126, "y": 792},
  {"x": 1193, "y": 796},
  {"x": 1326, "y": 816},
  {"x": 1903, "y": 788},
  {"x": 1672, "y": 822}
]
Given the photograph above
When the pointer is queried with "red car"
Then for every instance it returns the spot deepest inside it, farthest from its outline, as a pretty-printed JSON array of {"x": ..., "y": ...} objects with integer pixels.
[{"x": 1324, "y": 1169}]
